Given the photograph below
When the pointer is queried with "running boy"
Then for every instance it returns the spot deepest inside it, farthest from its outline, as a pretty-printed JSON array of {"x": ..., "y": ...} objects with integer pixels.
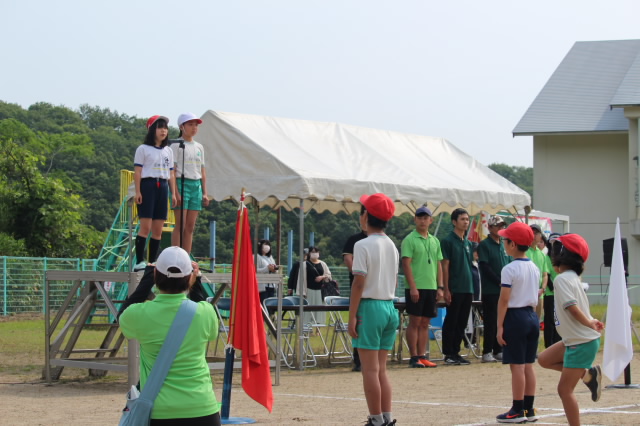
[
  {"x": 373, "y": 319},
  {"x": 574, "y": 355},
  {"x": 518, "y": 325}
]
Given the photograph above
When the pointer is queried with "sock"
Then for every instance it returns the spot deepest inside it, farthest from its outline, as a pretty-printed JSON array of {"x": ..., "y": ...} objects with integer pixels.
[
  {"x": 387, "y": 416},
  {"x": 140, "y": 243},
  {"x": 518, "y": 405},
  {"x": 587, "y": 376},
  {"x": 154, "y": 245},
  {"x": 528, "y": 402},
  {"x": 377, "y": 419}
]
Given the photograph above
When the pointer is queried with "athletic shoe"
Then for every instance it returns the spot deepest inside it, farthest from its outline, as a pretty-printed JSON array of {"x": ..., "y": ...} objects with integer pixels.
[
  {"x": 356, "y": 368},
  {"x": 386, "y": 423},
  {"x": 450, "y": 360},
  {"x": 463, "y": 361},
  {"x": 391, "y": 423},
  {"x": 531, "y": 415},
  {"x": 415, "y": 363},
  {"x": 424, "y": 361},
  {"x": 140, "y": 267},
  {"x": 498, "y": 357},
  {"x": 488, "y": 358},
  {"x": 595, "y": 383},
  {"x": 511, "y": 416}
]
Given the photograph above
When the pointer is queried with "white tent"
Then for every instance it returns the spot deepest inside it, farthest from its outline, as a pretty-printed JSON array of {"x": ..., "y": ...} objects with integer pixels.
[{"x": 282, "y": 161}]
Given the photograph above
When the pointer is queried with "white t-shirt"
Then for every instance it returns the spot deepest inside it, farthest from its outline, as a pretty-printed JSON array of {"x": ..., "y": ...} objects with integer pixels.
[
  {"x": 193, "y": 159},
  {"x": 155, "y": 162},
  {"x": 523, "y": 276},
  {"x": 376, "y": 258},
  {"x": 263, "y": 268},
  {"x": 568, "y": 291}
]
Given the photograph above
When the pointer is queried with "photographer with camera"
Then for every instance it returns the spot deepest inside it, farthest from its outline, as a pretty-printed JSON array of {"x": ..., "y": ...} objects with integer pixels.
[{"x": 266, "y": 265}]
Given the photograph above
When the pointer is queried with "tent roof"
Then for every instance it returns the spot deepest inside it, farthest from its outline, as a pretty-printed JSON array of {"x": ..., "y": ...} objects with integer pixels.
[{"x": 281, "y": 161}]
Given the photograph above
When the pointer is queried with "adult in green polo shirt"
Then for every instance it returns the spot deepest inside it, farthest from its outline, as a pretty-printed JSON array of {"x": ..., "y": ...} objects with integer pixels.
[
  {"x": 186, "y": 396},
  {"x": 551, "y": 335},
  {"x": 458, "y": 286},
  {"x": 421, "y": 257},
  {"x": 491, "y": 258}
]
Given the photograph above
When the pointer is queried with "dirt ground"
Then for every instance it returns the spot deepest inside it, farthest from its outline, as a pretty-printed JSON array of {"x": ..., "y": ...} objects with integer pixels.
[{"x": 446, "y": 395}]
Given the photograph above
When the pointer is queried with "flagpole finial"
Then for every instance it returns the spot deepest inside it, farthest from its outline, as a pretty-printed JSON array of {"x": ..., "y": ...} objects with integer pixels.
[{"x": 242, "y": 195}]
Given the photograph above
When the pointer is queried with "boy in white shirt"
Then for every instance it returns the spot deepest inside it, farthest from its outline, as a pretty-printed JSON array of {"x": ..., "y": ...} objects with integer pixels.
[
  {"x": 518, "y": 324},
  {"x": 574, "y": 355}
]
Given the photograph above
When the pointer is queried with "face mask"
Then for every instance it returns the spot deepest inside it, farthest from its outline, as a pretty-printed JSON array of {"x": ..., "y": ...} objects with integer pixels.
[
  {"x": 314, "y": 256},
  {"x": 265, "y": 249}
]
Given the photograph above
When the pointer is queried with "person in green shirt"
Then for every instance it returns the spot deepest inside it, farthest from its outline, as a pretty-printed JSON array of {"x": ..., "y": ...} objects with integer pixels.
[
  {"x": 421, "y": 257},
  {"x": 186, "y": 397},
  {"x": 458, "y": 287},
  {"x": 540, "y": 260},
  {"x": 491, "y": 258}
]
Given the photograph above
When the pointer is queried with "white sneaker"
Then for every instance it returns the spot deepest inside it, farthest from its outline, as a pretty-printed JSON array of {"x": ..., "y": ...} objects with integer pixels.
[
  {"x": 498, "y": 357},
  {"x": 488, "y": 357},
  {"x": 140, "y": 267}
]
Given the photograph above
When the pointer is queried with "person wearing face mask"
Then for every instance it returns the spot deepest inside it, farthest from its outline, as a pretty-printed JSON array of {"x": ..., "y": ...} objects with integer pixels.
[
  {"x": 317, "y": 273},
  {"x": 266, "y": 265}
]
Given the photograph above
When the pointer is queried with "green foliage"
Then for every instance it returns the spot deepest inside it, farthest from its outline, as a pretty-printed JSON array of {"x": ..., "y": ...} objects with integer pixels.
[{"x": 518, "y": 175}]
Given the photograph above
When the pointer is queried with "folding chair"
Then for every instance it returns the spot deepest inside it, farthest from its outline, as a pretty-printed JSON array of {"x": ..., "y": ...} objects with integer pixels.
[
  {"x": 316, "y": 327},
  {"x": 340, "y": 332},
  {"x": 401, "y": 340},
  {"x": 289, "y": 335},
  {"x": 224, "y": 304}
]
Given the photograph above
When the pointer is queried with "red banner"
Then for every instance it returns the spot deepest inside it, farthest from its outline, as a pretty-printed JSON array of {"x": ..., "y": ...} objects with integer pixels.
[{"x": 247, "y": 331}]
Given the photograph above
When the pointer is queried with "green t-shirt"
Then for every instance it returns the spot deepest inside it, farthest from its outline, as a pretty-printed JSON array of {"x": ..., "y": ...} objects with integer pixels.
[
  {"x": 187, "y": 391},
  {"x": 492, "y": 253},
  {"x": 458, "y": 252},
  {"x": 425, "y": 254},
  {"x": 539, "y": 259}
]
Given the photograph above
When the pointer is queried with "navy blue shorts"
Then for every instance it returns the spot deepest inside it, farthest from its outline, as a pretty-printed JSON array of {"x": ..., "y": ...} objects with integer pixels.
[
  {"x": 521, "y": 331},
  {"x": 155, "y": 199}
]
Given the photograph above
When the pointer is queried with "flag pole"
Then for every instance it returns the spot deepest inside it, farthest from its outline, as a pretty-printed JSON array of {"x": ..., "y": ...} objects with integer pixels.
[{"x": 230, "y": 352}]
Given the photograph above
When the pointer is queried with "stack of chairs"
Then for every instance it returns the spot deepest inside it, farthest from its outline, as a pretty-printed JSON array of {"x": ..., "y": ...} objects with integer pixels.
[{"x": 342, "y": 354}]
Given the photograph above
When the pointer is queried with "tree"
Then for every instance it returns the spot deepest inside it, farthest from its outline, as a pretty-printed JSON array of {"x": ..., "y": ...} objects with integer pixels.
[
  {"x": 518, "y": 175},
  {"x": 35, "y": 209}
]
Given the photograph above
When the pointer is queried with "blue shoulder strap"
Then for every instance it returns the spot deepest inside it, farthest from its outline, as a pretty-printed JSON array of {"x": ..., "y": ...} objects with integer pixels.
[{"x": 169, "y": 349}]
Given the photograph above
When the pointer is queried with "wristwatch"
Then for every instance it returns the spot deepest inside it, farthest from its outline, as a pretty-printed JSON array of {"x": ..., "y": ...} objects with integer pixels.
[{"x": 440, "y": 288}]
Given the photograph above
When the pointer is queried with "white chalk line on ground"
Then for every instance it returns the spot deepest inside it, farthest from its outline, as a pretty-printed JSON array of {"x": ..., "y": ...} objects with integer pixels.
[
  {"x": 560, "y": 411},
  {"x": 607, "y": 410}
]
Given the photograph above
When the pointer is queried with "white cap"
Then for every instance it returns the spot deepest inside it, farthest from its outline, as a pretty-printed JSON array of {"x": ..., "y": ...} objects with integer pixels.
[
  {"x": 174, "y": 257},
  {"x": 187, "y": 116}
]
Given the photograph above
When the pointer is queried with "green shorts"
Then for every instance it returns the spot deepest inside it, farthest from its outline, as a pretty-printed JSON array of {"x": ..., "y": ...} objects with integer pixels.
[
  {"x": 582, "y": 355},
  {"x": 377, "y": 323},
  {"x": 192, "y": 197}
]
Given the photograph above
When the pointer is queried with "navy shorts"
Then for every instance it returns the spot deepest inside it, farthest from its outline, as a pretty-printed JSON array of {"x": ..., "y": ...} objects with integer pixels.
[
  {"x": 155, "y": 199},
  {"x": 521, "y": 331},
  {"x": 425, "y": 306}
]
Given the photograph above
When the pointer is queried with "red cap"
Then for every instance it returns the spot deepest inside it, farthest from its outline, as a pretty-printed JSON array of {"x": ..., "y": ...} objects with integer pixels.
[
  {"x": 518, "y": 232},
  {"x": 575, "y": 244},
  {"x": 156, "y": 118},
  {"x": 379, "y": 205}
]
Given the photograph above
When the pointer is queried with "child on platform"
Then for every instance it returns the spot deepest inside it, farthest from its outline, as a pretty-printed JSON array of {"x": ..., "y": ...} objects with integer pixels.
[
  {"x": 191, "y": 181},
  {"x": 373, "y": 318},
  {"x": 580, "y": 332},
  {"x": 518, "y": 324},
  {"x": 153, "y": 177}
]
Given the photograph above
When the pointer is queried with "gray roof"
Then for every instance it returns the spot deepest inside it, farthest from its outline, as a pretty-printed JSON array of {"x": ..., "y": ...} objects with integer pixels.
[{"x": 594, "y": 77}]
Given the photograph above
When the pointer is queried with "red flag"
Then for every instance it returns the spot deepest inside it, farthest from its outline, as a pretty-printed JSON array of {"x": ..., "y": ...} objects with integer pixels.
[{"x": 246, "y": 331}]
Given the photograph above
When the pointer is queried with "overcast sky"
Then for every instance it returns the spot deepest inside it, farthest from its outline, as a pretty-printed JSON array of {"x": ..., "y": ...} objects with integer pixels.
[{"x": 463, "y": 70}]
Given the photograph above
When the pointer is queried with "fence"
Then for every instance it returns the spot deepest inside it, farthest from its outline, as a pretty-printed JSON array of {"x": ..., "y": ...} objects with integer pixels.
[{"x": 22, "y": 285}]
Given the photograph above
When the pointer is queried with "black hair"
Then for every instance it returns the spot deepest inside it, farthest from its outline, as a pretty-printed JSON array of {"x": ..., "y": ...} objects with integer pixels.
[
  {"x": 520, "y": 247},
  {"x": 260, "y": 244},
  {"x": 172, "y": 285},
  {"x": 375, "y": 222},
  {"x": 457, "y": 213},
  {"x": 564, "y": 257},
  {"x": 150, "y": 138}
]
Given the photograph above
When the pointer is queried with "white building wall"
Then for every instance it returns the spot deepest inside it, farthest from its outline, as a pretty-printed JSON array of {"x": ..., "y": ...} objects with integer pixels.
[{"x": 587, "y": 177}]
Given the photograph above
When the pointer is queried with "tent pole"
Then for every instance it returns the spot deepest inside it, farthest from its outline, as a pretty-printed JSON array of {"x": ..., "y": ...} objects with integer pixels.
[{"x": 302, "y": 279}]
